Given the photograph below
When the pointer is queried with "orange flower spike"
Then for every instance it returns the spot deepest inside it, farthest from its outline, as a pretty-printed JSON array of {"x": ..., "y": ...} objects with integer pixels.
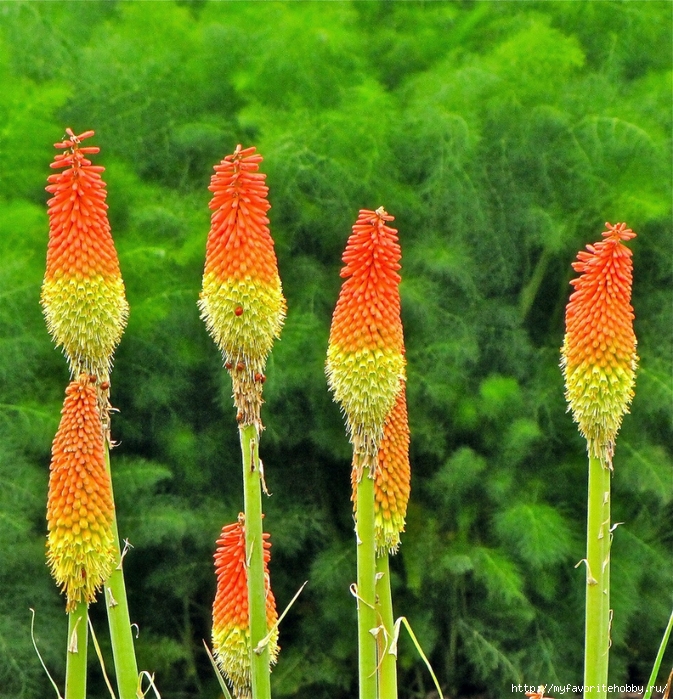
[
  {"x": 231, "y": 621},
  {"x": 393, "y": 478},
  {"x": 365, "y": 357},
  {"x": 242, "y": 299},
  {"x": 598, "y": 356},
  {"x": 80, "y": 509},
  {"x": 83, "y": 294}
]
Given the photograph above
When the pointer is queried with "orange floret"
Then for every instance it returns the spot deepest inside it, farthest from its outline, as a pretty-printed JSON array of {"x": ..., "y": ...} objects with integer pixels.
[
  {"x": 598, "y": 356},
  {"x": 393, "y": 478},
  {"x": 242, "y": 299},
  {"x": 80, "y": 509},
  {"x": 83, "y": 294},
  {"x": 231, "y": 621},
  {"x": 365, "y": 357}
]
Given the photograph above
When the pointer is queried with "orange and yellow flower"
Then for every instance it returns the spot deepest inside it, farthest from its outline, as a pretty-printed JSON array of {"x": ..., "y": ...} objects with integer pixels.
[
  {"x": 231, "y": 621},
  {"x": 365, "y": 357},
  {"x": 598, "y": 356},
  {"x": 83, "y": 293},
  {"x": 80, "y": 509},
  {"x": 393, "y": 478},
  {"x": 242, "y": 299}
]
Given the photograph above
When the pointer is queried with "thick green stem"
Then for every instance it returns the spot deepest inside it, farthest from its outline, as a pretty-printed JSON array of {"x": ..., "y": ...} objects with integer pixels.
[
  {"x": 388, "y": 662},
  {"x": 121, "y": 634},
  {"x": 597, "y": 628},
  {"x": 78, "y": 635},
  {"x": 252, "y": 494},
  {"x": 366, "y": 560}
]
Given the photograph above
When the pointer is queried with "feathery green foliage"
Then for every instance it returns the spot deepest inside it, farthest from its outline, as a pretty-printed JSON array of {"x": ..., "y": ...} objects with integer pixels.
[{"x": 502, "y": 135}]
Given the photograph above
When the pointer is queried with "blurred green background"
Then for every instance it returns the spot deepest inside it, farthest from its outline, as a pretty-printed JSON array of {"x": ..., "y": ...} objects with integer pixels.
[{"x": 501, "y": 135}]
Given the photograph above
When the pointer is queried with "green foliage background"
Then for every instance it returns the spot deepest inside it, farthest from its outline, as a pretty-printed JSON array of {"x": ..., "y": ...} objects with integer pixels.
[{"x": 501, "y": 136}]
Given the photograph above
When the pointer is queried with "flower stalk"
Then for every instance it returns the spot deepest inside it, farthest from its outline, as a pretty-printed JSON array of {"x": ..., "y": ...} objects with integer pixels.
[
  {"x": 386, "y": 618},
  {"x": 78, "y": 636},
  {"x": 657, "y": 662},
  {"x": 119, "y": 621},
  {"x": 597, "y": 613},
  {"x": 254, "y": 550},
  {"x": 366, "y": 587}
]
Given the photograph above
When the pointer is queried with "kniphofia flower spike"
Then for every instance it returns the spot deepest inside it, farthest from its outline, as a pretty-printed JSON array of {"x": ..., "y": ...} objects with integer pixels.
[
  {"x": 393, "y": 478},
  {"x": 83, "y": 292},
  {"x": 242, "y": 300},
  {"x": 80, "y": 543},
  {"x": 598, "y": 356},
  {"x": 231, "y": 631},
  {"x": 365, "y": 357}
]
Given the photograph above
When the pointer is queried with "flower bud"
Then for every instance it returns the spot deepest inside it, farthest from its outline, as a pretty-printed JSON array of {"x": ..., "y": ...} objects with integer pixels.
[
  {"x": 80, "y": 508},
  {"x": 242, "y": 299},
  {"x": 392, "y": 483},
  {"x": 365, "y": 356},
  {"x": 231, "y": 619},
  {"x": 598, "y": 356},
  {"x": 83, "y": 294}
]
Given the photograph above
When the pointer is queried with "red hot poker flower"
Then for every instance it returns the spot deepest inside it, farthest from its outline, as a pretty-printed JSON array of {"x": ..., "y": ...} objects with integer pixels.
[
  {"x": 365, "y": 357},
  {"x": 83, "y": 293},
  {"x": 598, "y": 356},
  {"x": 80, "y": 509},
  {"x": 231, "y": 621},
  {"x": 393, "y": 478},
  {"x": 242, "y": 300}
]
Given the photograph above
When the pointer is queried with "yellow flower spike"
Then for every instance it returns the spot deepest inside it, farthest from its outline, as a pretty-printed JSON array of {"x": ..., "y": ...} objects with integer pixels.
[
  {"x": 365, "y": 356},
  {"x": 392, "y": 484},
  {"x": 83, "y": 294},
  {"x": 231, "y": 630},
  {"x": 242, "y": 299},
  {"x": 80, "y": 509},
  {"x": 598, "y": 356}
]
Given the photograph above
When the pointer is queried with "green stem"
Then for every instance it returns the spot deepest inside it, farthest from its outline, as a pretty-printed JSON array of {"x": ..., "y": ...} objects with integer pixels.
[
  {"x": 657, "y": 662},
  {"x": 597, "y": 627},
  {"x": 252, "y": 495},
  {"x": 121, "y": 635},
  {"x": 366, "y": 561},
  {"x": 78, "y": 636},
  {"x": 388, "y": 663}
]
